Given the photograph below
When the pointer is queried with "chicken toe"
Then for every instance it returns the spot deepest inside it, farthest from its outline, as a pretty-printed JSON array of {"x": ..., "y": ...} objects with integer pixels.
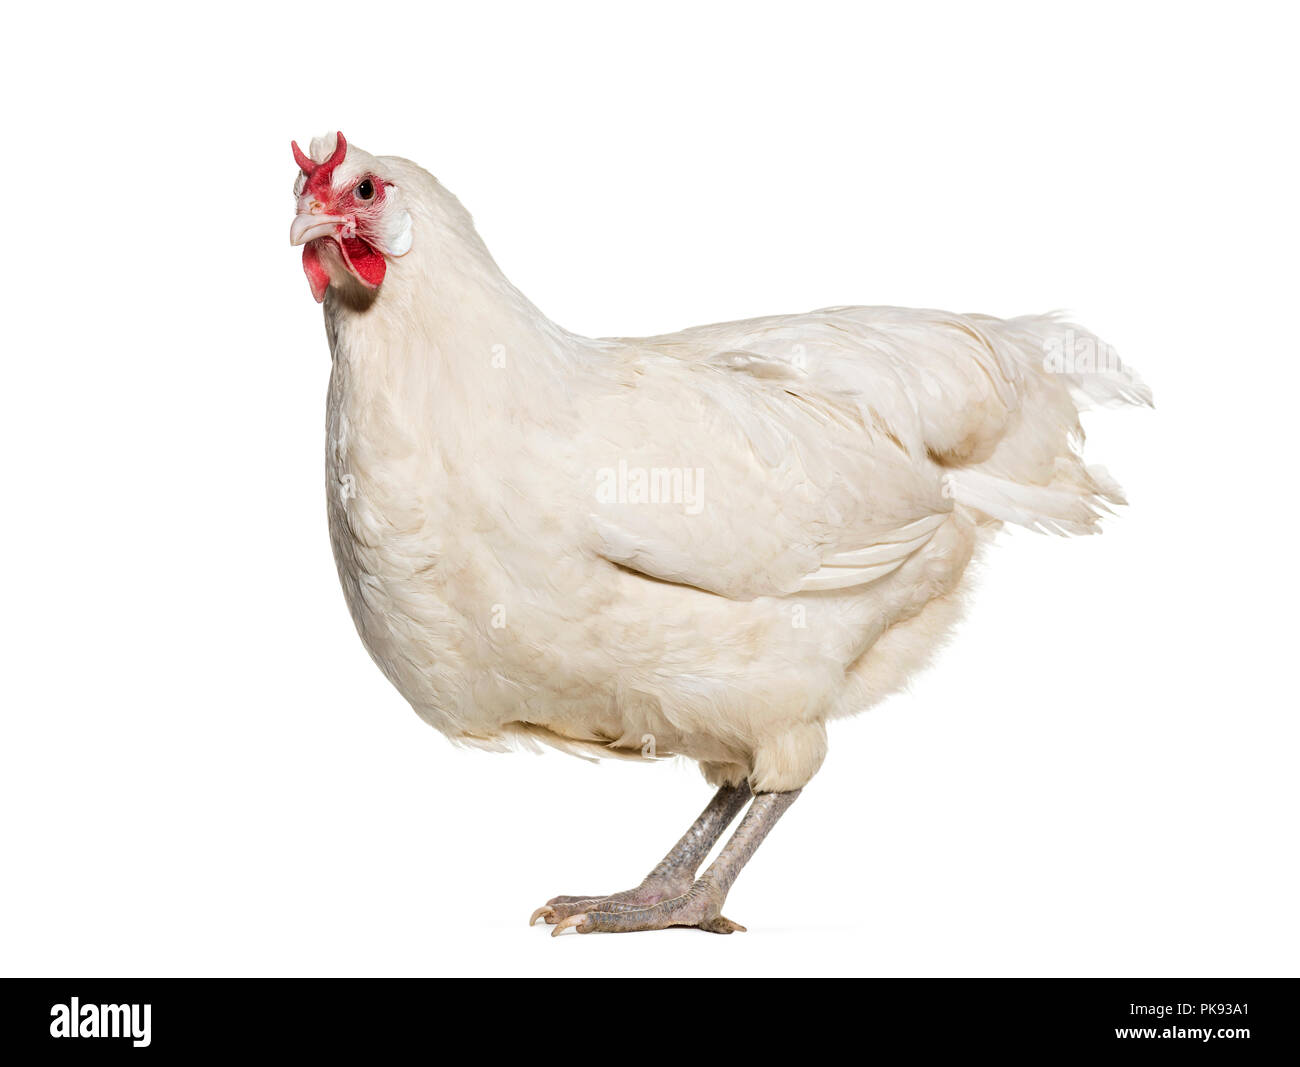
[
  {"x": 675, "y": 873},
  {"x": 651, "y": 891},
  {"x": 701, "y": 905}
]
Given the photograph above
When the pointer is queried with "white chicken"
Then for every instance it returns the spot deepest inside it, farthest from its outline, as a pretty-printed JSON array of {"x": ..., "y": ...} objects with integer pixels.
[{"x": 708, "y": 544}]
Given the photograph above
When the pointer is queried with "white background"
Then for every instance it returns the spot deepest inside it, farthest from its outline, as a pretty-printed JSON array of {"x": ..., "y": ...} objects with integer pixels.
[{"x": 201, "y": 772}]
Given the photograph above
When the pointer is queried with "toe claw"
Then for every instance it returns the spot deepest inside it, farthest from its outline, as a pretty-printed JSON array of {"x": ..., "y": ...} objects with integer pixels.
[
  {"x": 544, "y": 912},
  {"x": 571, "y": 922}
]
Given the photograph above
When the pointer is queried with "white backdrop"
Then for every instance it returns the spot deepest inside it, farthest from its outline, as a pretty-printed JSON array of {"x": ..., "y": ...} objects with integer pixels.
[{"x": 201, "y": 772}]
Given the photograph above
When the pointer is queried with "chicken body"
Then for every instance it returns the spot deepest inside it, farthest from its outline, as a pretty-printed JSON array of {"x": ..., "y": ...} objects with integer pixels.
[{"x": 708, "y": 544}]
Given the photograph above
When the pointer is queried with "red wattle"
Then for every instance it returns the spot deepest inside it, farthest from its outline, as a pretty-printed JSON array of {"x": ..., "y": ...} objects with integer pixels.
[
  {"x": 317, "y": 276},
  {"x": 367, "y": 264}
]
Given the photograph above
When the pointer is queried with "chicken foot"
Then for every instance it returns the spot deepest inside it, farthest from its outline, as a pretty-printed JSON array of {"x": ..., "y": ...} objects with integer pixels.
[
  {"x": 676, "y": 871},
  {"x": 700, "y": 905}
]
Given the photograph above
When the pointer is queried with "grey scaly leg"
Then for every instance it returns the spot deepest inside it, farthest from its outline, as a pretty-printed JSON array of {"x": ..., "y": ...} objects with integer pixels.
[
  {"x": 675, "y": 872},
  {"x": 701, "y": 904}
]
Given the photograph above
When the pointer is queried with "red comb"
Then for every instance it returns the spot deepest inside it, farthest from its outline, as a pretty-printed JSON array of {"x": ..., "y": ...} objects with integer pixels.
[
  {"x": 304, "y": 161},
  {"x": 318, "y": 174}
]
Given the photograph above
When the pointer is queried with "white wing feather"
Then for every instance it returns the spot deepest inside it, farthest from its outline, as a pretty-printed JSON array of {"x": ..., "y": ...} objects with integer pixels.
[{"x": 831, "y": 446}]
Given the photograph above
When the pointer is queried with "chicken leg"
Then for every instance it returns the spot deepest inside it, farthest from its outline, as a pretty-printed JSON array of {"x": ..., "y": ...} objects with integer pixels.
[
  {"x": 675, "y": 872},
  {"x": 700, "y": 905}
]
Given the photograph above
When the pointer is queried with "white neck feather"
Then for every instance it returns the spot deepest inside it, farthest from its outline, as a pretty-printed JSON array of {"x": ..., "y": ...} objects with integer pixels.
[{"x": 445, "y": 317}]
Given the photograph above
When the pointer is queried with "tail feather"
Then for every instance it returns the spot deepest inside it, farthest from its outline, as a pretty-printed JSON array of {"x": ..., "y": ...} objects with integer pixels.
[
  {"x": 1089, "y": 367},
  {"x": 1055, "y": 508},
  {"x": 1036, "y": 476}
]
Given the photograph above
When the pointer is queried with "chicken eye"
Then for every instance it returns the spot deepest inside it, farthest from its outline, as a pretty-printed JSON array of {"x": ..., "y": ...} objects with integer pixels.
[{"x": 366, "y": 189}]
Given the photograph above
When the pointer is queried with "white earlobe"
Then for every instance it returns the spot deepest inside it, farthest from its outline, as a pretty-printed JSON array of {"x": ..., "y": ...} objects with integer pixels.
[
  {"x": 399, "y": 235},
  {"x": 397, "y": 225}
]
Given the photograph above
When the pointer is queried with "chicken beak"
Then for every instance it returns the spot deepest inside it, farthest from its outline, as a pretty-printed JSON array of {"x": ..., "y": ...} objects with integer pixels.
[{"x": 309, "y": 227}]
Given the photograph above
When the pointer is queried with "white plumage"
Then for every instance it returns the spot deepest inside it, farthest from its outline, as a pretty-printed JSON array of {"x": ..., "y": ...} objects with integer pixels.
[{"x": 721, "y": 539}]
